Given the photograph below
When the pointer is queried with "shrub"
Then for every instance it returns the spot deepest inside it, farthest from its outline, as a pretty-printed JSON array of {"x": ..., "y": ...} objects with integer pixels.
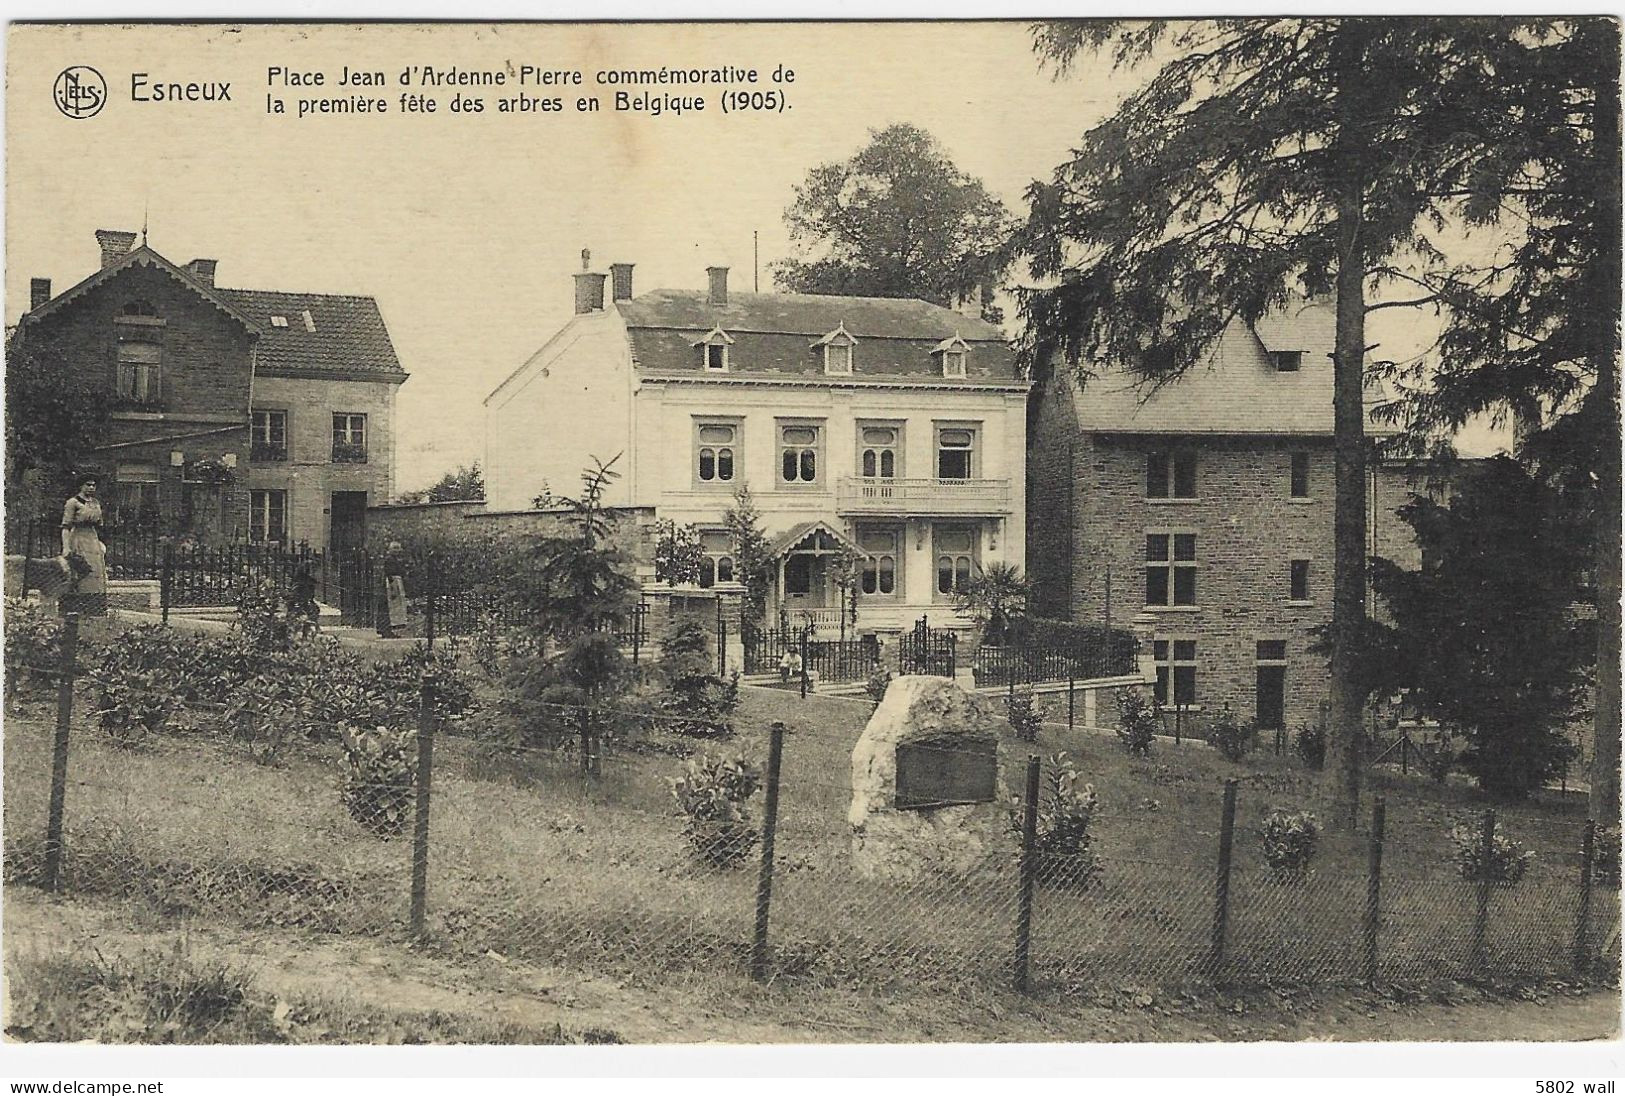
[
  {"x": 1063, "y": 846},
  {"x": 33, "y": 645},
  {"x": 1023, "y": 715},
  {"x": 1505, "y": 864},
  {"x": 876, "y": 684},
  {"x": 1289, "y": 840},
  {"x": 1229, "y": 736},
  {"x": 1438, "y": 758},
  {"x": 263, "y": 619},
  {"x": 1605, "y": 856},
  {"x": 379, "y": 777},
  {"x": 1137, "y": 722},
  {"x": 1309, "y": 740},
  {"x": 712, "y": 793},
  {"x": 700, "y": 702},
  {"x": 131, "y": 703}
]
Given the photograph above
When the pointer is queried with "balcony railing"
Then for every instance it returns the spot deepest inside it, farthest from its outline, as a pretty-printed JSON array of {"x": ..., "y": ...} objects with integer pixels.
[{"x": 925, "y": 497}]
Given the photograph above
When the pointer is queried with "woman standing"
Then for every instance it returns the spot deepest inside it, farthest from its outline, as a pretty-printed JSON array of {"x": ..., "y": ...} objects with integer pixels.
[{"x": 81, "y": 522}]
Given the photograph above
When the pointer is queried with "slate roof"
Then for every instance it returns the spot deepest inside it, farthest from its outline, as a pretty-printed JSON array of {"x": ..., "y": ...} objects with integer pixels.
[
  {"x": 1238, "y": 389},
  {"x": 140, "y": 256},
  {"x": 346, "y": 336},
  {"x": 774, "y": 336}
]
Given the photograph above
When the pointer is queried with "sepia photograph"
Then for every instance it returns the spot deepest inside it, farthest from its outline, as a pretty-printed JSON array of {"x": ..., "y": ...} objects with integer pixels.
[{"x": 559, "y": 534}]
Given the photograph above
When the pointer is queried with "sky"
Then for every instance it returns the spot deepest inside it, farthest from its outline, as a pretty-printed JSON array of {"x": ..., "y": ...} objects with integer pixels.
[{"x": 467, "y": 229}]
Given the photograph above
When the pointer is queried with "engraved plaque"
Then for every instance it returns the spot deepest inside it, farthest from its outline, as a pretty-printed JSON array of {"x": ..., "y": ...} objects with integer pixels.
[{"x": 947, "y": 771}]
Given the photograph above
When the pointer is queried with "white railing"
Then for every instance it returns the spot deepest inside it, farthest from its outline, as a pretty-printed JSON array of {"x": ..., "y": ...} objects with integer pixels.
[{"x": 862, "y": 495}]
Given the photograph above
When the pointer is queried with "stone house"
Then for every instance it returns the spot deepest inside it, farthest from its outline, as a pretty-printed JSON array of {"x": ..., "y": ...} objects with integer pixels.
[
  {"x": 887, "y": 432},
  {"x": 236, "y": 414},
  {"x": 1208, "y": 504}
]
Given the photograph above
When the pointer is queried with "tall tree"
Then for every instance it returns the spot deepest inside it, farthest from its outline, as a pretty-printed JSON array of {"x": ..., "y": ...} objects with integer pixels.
[
  {"x": 1260, "y": 158},
  {"x": 1533, "y": 331},
  {"x": 898, "y": 219}
]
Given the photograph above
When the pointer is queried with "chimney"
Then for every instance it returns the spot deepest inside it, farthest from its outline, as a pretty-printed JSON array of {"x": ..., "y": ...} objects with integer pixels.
[
  {"x": 620, "y": 277},
  {"x": 115, "y": 245},
  {"x": 718, "y": 297},
  {"x": 203, "y": 270},
  {"x": 589, "y": 293},
  {"x": 39, "y": 291}
]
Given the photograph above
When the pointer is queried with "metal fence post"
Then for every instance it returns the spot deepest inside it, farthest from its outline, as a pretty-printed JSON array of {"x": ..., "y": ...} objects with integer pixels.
[
  {"x": 1373, "y": 888},
  {"x": 420, "y": 826},
  {"x": 429, "y": 584},
  {"x": 1071, "y": 695},
  {"x": 1221, "y": 891},
  {"x": 804, "y": 661},
  {"x": 166, "y": 584},
  {"x": 764, "y": 876},
  {"x": 1481, "y": 917},
  {"x": 66, "y": 669},
  {"x": 1582, "y": 920},
  {"x": 1028, "y": 875}
]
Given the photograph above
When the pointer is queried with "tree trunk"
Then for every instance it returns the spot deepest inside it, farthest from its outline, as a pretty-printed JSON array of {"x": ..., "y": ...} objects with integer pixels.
[
  {"x": 1343, "y": 741},
  {"x": 1605, "y": 800}
]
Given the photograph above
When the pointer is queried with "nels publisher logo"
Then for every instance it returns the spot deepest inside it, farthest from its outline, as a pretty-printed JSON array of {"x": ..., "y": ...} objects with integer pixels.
[{"x": 80, "y": 91}]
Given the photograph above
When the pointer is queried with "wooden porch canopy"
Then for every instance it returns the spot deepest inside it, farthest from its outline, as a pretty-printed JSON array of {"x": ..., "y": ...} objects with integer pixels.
[{"x": 812, "y": 538}]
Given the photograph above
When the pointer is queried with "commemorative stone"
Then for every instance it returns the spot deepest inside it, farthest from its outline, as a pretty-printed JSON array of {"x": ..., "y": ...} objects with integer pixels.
[{"x": 927, "y": 784}]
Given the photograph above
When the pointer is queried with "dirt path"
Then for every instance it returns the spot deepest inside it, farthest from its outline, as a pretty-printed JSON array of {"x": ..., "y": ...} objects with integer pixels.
[{"x": 385, "y": 975}]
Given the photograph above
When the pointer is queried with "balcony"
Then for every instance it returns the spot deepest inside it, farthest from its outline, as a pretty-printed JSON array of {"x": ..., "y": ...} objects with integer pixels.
[{"x": 923, "y": 497}]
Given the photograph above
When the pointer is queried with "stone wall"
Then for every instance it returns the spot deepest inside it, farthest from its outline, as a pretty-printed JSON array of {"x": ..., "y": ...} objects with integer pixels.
[{"x": 472, "y": 522}]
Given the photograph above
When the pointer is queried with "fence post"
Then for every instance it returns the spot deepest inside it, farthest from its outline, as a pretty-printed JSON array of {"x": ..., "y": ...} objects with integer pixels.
[
  {"x": 66, "y": 669},
  {"x": 1373, "y": 889},
  {"x": 1221, "y": 891},
  {"x": 1071, "y": 694},
  {"x": 429, "y": 584},
  {"x": 804, "y": 631},
  {"x": 1404, "y": 754},
  {"x": 722, "y": 640},
  {"x": 420, "y": 825},
  {"x": 166, "y": 584},
  {"x": 764, "y": 876},
  {"x": 1582, "y": 920},
  {"x": 1481, "y": 917},
  {"x": 637, "y": 631},
  {"x": 1029, "y": 873}
]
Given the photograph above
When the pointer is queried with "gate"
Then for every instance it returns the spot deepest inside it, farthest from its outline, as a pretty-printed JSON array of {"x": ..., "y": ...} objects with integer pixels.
[{"x": 927, "y": 650}]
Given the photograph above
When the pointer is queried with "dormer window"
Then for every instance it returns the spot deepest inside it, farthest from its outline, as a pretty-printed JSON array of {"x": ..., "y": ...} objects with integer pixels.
[
  {"x": 1286, "y": 361},
  {"x": 952, "y": 354},
  {"x": 279, "y": 321},
  {"x": 714, "y": 350},
  {"x": 838, "y": 351}
]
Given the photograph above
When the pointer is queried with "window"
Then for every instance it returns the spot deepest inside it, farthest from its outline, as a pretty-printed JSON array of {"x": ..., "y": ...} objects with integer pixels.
[
  {"x": 1286, "y": 361},
  {"x": 956, "y": 558},
  {"x": 268, "y": 438},
  {"x": 717, "y": 565},
  {"x": 279, "y": 321},
  {"x": 714, "y": 350},
  {"x": 1176, "y": 664},
  {"x": 1300, "y": 580},
  {"x": 1272, "y": 650},
  {"x": 956, "y": 451},
  {"x": 882, "y": 549},
  {"x": 1170, "y": 476},
  {"x": 1300, "y": 475},
  {"x": 715, "y": 458},
  {"x": 349, "y": 438},
  {"x": 1270, "y": 687},
  {"x": 953, "y": 363},
  {"x": 140, "y": 308},
  {"x": 135, "y": 496},
  {"x": 138, "y": 371},
  {"x": 798, "y": 453},
  {"x": 877, "y": 451},
  {"x": 1170, "y": 568},
  {"x": 838, "y": 359},
  {"x": 267, "y": 517}
]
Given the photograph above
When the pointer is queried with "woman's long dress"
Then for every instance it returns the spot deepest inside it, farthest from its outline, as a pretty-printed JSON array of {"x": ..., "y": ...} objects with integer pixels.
[{"x": 80, "y": 520}]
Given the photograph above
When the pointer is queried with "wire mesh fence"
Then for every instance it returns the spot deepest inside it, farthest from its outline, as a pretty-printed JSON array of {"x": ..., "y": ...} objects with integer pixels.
[{"x": 528, "y": 853}]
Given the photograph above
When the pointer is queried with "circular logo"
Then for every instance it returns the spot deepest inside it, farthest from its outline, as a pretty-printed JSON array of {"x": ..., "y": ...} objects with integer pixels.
[{"x": 80, "y": 91}]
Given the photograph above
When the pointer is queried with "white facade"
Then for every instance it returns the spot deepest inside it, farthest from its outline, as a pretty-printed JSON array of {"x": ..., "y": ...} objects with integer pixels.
[{"x": 940, "y": 493}]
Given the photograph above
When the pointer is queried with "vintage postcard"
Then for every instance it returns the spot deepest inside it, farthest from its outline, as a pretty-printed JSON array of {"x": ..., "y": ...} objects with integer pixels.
[{"x": 815, "y": 532}]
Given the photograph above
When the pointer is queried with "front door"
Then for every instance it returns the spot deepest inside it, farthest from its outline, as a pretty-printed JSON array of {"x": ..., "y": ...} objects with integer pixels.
[
  {"x": 1271, "y": 696},
  {"x": 804, "y": 584},
  {"x": 348, "y": 522}
]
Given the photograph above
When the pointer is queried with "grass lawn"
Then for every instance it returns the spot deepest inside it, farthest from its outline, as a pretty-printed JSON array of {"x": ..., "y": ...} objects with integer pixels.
[{"x": 530, "y": 859}]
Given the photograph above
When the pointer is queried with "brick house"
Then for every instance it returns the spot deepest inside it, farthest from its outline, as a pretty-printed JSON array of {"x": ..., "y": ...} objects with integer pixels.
[
  {"x": 888, "y": 431},
  {"x": 236, "y": 414},
  {"x": 1207, "y": 503}
]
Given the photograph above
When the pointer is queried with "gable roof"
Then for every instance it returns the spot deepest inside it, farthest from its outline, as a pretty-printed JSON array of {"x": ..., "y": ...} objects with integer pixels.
[
  {"x": 798, "y": 533},
  {"x": 141, "y": 256},
  {"x": 775, "y": 334},
  {"x": 346, "y": 338},
  {"x": 1237, "y": 389}
]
